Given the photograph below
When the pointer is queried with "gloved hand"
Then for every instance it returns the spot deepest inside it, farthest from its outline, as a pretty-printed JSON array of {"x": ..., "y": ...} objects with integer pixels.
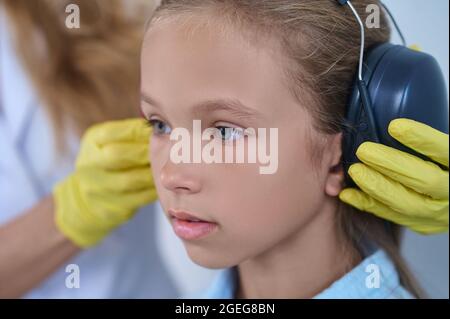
[
  {"x": 111, "y": 181},
  {"x": 400, "y": 187}
]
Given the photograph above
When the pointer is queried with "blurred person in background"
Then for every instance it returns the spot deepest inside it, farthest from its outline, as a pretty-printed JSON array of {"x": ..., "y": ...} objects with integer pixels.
[{"x": 54, "y": 83}]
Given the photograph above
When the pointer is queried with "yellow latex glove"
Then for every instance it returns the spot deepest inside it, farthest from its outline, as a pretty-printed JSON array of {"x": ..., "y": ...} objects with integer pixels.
[
  {"x": 400, "y": 187},
  {"x": 111, "y": 181}
]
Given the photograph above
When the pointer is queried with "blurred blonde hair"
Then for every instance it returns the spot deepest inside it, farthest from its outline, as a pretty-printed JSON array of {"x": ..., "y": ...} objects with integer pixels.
[{"x": 86, "y": 75}]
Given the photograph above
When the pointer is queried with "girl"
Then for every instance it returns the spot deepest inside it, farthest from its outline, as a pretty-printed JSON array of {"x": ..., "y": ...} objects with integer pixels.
[{"x": 266, "y": 64}]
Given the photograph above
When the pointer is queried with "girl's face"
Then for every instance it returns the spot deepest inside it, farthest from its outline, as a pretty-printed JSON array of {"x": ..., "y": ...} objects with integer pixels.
[{"x": 248, "y": 213}]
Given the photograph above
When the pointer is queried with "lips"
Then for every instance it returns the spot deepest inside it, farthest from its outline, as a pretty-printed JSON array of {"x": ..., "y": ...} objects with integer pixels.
[{"x": 190, "y": 227}]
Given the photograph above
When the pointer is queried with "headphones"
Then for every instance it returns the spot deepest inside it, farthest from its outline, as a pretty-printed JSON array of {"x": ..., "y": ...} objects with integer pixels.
[{"x": 393, "y": 81}]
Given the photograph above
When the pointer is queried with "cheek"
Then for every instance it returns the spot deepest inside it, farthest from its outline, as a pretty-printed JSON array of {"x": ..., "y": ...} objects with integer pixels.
[
  {"x": 261, "y": 210},
  {"x": 158, "y": 157}
]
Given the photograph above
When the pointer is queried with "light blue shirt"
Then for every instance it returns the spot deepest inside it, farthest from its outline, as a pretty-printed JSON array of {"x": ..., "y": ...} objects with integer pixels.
[
  {"x": 127, "y": 263},
  {"x": 360, "y": 283}
]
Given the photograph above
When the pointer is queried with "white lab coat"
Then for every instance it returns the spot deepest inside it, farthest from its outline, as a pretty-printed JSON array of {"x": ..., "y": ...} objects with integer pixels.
[{"x": 124, "y": 265}]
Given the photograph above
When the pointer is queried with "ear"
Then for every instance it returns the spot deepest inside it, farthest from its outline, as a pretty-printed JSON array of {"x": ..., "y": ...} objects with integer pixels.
[{"x": 335, "y": 177}]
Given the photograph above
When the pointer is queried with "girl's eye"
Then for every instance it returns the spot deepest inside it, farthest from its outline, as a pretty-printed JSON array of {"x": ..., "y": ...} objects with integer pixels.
[
  {"x": 159, "y": 127},
  {"x": 230, "y": 133}
]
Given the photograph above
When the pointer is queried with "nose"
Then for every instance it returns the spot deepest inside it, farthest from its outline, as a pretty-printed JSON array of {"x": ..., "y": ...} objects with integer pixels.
[{"x": 180, "y": 178}]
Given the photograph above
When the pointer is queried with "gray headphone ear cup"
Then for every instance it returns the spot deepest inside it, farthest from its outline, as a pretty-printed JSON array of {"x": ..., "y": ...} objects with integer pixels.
[
  {"x": 408, "y": 84},
  {"x": 355, "y": 128},
  {"x": 402, "y": 83}
]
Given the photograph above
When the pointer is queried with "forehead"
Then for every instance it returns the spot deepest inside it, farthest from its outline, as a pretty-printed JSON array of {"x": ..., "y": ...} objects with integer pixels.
[{"x": 205, "y": 61}]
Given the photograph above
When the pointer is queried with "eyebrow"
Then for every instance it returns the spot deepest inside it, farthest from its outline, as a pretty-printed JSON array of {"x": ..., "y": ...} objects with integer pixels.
[{"x": 233, "y": 106}]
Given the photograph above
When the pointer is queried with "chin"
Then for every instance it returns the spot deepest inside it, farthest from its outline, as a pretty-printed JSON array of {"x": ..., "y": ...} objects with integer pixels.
[{"x": 209, "y": 258}]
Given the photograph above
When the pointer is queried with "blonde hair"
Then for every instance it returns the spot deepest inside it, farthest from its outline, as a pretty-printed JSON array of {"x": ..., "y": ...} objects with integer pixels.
[
  {"x": 320, "y": 41},
  {"x": 86, "y": 75}
]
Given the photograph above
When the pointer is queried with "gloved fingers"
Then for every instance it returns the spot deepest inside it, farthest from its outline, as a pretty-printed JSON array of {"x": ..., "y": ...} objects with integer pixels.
[
  {"x": 141, "y": 198},
  {"x": 86, "y": 220},
  {"x": 130, "y": 130},
  {"x": 116, "y": 156},
  {"x": 115, "y": 183},
  {"x": 117, "y": 209},
  {"x": 421, "y": 138},
  {"x": 422, "y": 176},
  {"x": 429, "y": 230},
  {"x": 395, "y": 195},
  {"x": 366, "y": 203}
]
